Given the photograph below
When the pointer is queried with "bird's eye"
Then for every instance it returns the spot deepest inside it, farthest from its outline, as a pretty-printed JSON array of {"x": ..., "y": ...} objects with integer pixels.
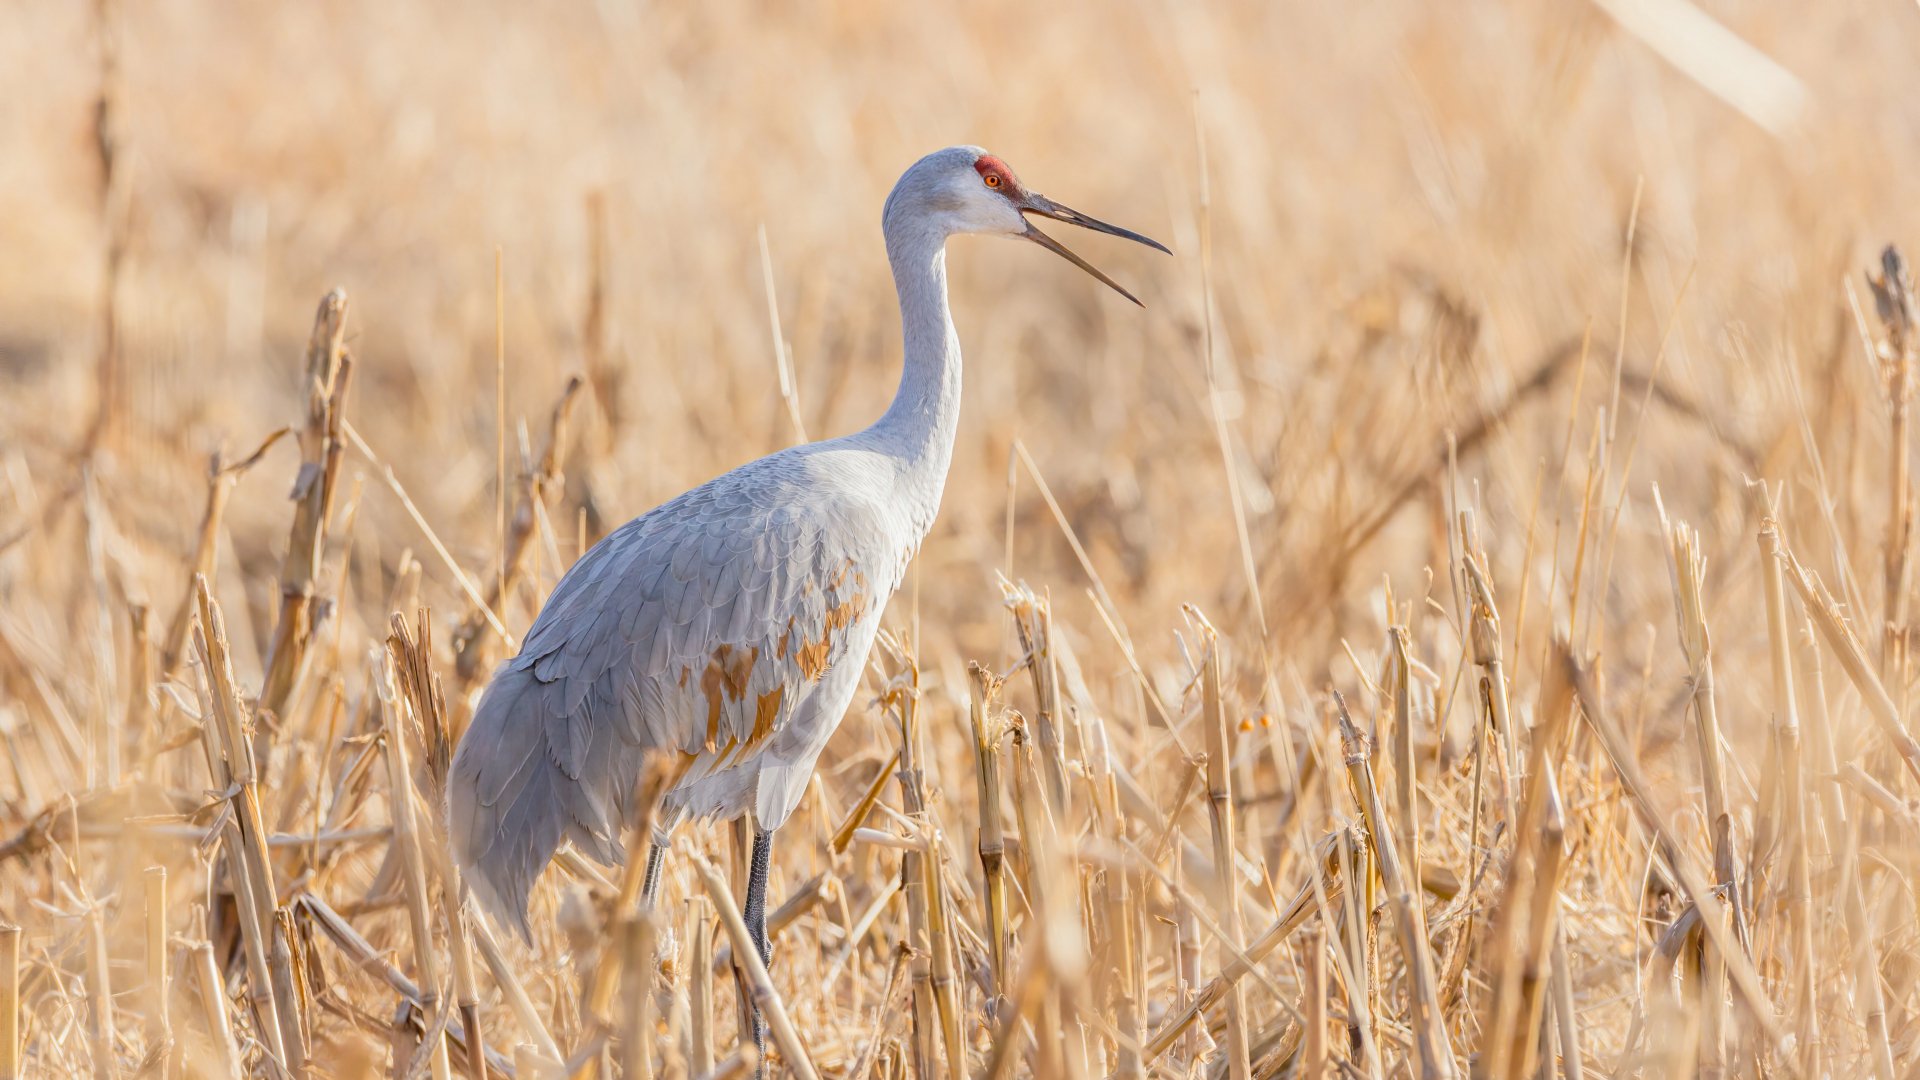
[{"x": 992, "y": 180}]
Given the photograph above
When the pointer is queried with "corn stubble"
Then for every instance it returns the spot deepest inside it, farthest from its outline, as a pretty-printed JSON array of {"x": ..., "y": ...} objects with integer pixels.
[
  {"x": 1595, "y": 801},
  {"x": 1447, "y": 912}
]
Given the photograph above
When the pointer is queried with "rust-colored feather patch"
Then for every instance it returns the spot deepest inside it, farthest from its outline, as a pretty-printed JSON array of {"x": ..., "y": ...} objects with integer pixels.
[
  {"x": 814, "y": 656},
  {"x": 765, "y": 711},
  {"x": 725, "y": 678}
]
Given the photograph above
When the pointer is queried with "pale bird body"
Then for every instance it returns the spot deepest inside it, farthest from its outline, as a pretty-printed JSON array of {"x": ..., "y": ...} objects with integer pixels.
[{"x": 730, "y": 624}]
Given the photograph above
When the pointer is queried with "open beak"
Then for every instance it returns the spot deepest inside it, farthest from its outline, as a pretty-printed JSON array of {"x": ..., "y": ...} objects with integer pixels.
[{"x": 1045, "y": 207}]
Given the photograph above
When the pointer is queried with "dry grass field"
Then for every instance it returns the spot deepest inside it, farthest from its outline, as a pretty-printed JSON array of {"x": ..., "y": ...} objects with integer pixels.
[{"x": 1462, "y": 626}]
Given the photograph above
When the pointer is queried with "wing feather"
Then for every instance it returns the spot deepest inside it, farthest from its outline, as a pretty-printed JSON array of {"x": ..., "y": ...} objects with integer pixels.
[
  {"x": 698, "y": 628},
  {"x": 515, "y": 749}
]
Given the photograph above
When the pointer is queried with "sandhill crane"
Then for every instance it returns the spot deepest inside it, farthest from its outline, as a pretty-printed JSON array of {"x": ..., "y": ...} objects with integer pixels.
[{"x": 730, "y": 624}]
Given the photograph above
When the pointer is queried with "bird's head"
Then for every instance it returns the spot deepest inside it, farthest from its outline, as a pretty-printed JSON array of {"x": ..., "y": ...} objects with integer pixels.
[{"x": 964, "y": 189}]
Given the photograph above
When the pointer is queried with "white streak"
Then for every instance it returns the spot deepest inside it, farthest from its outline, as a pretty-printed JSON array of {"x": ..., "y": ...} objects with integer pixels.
[{"x": 1716, "y": 58}]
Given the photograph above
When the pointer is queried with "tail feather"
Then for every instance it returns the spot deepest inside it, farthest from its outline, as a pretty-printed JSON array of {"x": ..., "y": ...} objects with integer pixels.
[
  {"x": 505, "y": 811},
  {"x": 515, "y": 794}
]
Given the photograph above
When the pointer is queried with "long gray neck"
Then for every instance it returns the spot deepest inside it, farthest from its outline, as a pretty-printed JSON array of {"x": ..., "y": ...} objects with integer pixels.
[{"x": 918, "y": 428}]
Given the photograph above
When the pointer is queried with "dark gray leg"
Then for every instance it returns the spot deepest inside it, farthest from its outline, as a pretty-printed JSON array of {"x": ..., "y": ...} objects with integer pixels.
[
  {"x": 650, "y": 887},
  {"x": 755, "y": 916}
]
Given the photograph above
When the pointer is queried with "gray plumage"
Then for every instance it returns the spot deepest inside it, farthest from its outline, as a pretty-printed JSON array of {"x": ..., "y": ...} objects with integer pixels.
[{"x": 731, "y": 623}]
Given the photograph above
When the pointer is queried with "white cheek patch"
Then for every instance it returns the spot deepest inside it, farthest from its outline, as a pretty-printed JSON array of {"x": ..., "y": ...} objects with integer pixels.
[{"x": 947, "y": 199}]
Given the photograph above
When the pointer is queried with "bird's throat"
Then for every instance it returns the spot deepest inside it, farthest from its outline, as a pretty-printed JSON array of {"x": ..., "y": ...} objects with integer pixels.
[{"x": 919, "y": 426}]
